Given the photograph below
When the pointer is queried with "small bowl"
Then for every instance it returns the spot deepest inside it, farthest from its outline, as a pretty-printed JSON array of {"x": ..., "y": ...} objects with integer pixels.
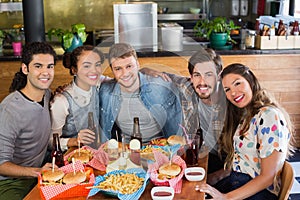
[
  {"x": 163, "y": 189},
  {"x": 194, "y": 173},
  {"x": 195, "y": 10}
]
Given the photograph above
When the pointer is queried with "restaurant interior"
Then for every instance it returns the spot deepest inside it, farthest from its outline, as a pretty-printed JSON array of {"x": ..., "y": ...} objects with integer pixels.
[{"x": 101, "y": 19}]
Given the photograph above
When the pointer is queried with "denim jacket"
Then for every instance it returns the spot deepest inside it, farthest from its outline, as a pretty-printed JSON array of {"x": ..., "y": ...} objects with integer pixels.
[{"x": 161, "y": 98}]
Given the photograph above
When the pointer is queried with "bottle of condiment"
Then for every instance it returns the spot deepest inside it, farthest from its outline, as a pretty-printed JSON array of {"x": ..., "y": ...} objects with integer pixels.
[
  {"x": 136, "y": 133},
  {"x": 257, "y": 26},
  {"x": 135, "y": 147},
  {"x": 91, "y": 126},
  {"x": 295, "y": 30},
  {"x": 56, "y": 151},
  {"x": 123, "y": 155},
  {"x": 135, "y": 142},
  {"x": 250, "y": 39}
]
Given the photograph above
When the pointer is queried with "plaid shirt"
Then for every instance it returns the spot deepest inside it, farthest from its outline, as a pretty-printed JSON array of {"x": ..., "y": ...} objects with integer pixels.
[
  {"x": 191, "y": 113},
  {"x": 189, "y": 102}
]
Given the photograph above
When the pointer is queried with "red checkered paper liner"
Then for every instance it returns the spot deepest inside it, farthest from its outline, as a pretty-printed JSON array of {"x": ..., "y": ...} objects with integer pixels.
[
  {"x": 99, "y": 160},
  {"x": 66, "y": 190},
  {"x": 160, "y": 158}
]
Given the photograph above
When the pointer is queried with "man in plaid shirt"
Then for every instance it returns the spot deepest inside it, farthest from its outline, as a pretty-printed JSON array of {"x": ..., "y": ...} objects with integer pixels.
[{"x": 203, "y": 103}]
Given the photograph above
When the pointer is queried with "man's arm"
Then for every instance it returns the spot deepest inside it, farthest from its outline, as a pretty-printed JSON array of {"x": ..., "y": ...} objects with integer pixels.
[
  {"x": 12, "y": 170},
  {"x": 177, "y": 79}
]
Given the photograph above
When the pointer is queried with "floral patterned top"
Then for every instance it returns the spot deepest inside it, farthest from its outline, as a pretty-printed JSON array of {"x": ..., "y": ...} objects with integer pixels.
[{"x": 268, "y": 131}]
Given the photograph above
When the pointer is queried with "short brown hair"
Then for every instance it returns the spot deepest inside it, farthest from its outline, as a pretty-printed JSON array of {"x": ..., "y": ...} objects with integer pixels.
[{"x": 121, "y": 50}]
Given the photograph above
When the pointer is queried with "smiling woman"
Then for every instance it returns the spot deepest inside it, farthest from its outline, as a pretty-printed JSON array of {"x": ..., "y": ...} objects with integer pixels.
[
  {"x": 70, "y": 109},
  {"x": 256, "y": 138}
]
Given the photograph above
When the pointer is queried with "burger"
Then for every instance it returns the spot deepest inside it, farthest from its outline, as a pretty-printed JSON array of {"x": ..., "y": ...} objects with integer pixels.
[
  {"x": 52, "y": 177},
  {"x": 168, "y": 170},
  {"x": 176, "y": 139},
  {"x": 74, "y": 178},
  {"x": 83, "y": 155}
]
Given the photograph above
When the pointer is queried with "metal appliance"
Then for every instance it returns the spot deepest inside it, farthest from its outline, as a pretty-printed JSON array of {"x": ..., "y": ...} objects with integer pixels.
[
  {"x": 136, "y": 23},
  {"x": 170, "y": 36}
]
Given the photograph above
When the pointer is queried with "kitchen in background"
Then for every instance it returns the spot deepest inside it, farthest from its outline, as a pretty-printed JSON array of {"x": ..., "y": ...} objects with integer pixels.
[{"x": 98, "y": 16}]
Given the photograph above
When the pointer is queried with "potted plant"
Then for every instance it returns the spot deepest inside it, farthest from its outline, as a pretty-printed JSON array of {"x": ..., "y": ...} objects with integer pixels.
[
  {"x": 217, "y": 31},
  {"x": 15, "y": 37},
  {"x": 2, "y": 37},
  {"x": 70, "y": 39}
]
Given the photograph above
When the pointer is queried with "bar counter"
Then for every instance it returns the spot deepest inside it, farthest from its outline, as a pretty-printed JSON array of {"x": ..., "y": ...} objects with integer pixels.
[{"x": 188, "y": 50}]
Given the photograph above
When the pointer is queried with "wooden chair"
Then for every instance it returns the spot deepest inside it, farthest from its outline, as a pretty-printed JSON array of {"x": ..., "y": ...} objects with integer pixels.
[{"x": 287, "y": 179}]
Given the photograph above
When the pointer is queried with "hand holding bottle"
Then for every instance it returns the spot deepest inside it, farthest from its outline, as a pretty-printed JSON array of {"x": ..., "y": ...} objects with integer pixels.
[{"x": 86, "y": 136}]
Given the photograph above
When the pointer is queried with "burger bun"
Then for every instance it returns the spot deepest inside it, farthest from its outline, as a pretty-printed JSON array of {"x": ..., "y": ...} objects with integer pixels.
[
  {"x": 176, "y": 139},
  {"x": 84, "y": 156},
  {"x": 71, "y": 178},
  {"x": 52, "y": 176},
  {"x": 169, "y": 169}
]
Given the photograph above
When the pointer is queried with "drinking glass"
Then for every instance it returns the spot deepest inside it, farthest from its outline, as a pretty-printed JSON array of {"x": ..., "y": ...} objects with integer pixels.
[{"x": 192, "y": 150}]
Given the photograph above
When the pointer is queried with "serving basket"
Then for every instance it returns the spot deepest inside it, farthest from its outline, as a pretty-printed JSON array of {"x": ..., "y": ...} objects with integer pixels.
[
  {"x": 136, "y": 195},
  {"x": 61, "y": 191},
  {"x": 161, "y": 159},
  {"x": 99, "y": 160}
]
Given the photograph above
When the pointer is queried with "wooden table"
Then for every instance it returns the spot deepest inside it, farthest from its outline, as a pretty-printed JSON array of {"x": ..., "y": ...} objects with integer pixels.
[{"x": 187, "y": 192}]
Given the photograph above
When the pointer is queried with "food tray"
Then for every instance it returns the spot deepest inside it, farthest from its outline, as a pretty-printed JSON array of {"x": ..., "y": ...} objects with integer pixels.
[
  {"x": 66, "y": 190},
  {"x": 138, "y": 171}
]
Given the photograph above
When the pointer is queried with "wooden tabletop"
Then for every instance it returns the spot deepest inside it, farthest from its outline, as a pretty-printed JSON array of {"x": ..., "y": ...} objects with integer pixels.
[{"x": 187, "y": 192}]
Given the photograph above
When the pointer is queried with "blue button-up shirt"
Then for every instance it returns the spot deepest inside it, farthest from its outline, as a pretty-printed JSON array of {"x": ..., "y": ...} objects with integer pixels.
[{"x": 161, "y": 98}]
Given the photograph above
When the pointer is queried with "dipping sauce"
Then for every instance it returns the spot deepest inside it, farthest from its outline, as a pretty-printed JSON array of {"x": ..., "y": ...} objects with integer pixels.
[
  {"x": 194, "y": 173},
  {"x": 162, "y": 194}
]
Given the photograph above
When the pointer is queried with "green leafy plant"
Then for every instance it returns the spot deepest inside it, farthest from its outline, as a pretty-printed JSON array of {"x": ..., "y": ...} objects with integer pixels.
[
  {"x": 2, "y": 34},
  {"x": 66, "y": 36},
  {"x": 204, "y": 28}
]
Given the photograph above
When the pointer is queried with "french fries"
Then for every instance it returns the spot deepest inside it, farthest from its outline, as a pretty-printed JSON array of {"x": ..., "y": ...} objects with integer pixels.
[
  {"x": 160, "y": 142},
  {"x": 149, "y": 149},
  {"x": 122, "y": 183}
]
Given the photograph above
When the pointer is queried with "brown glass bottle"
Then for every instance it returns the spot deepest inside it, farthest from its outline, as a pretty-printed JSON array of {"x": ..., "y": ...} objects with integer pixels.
[
  {"x": 136, "y": 133},
  {"x": 56, "y": 151},
  {"x": 295, "y": 30},
  {"x": 91, "y": 126}
]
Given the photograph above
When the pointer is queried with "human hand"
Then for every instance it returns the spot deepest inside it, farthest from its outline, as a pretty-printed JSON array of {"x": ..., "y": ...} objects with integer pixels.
[
  {"x": 48, "y": 166},
  {"x": 86, "y": 136},
  {"x": 154, "y": 73},
  {"x": 213, "y": 192}
]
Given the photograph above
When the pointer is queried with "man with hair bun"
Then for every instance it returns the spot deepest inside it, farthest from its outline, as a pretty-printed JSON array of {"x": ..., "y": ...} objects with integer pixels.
[{"x": 25, "y": 122}]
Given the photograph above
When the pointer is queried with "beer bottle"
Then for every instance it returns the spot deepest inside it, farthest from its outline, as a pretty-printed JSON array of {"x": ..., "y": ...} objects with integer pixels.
[
  {"x": 56, "y": 151},
  {"x": 91, "y": 126},
  {"x": 136, "y": 133}
]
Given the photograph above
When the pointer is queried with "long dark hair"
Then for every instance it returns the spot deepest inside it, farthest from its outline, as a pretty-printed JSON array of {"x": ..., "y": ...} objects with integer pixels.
[
  {"x": 70, "y": 59},
  {"x": 234, "y": 115},
  {"x": 20, "y": 79}
]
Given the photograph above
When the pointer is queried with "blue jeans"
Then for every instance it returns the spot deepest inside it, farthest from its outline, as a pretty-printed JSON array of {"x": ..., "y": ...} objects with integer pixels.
[{"x": 238, "y": 179}]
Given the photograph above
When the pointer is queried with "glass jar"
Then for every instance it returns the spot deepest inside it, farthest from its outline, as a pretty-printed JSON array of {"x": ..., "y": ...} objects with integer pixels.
[{"x": 250, "y": 39}]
